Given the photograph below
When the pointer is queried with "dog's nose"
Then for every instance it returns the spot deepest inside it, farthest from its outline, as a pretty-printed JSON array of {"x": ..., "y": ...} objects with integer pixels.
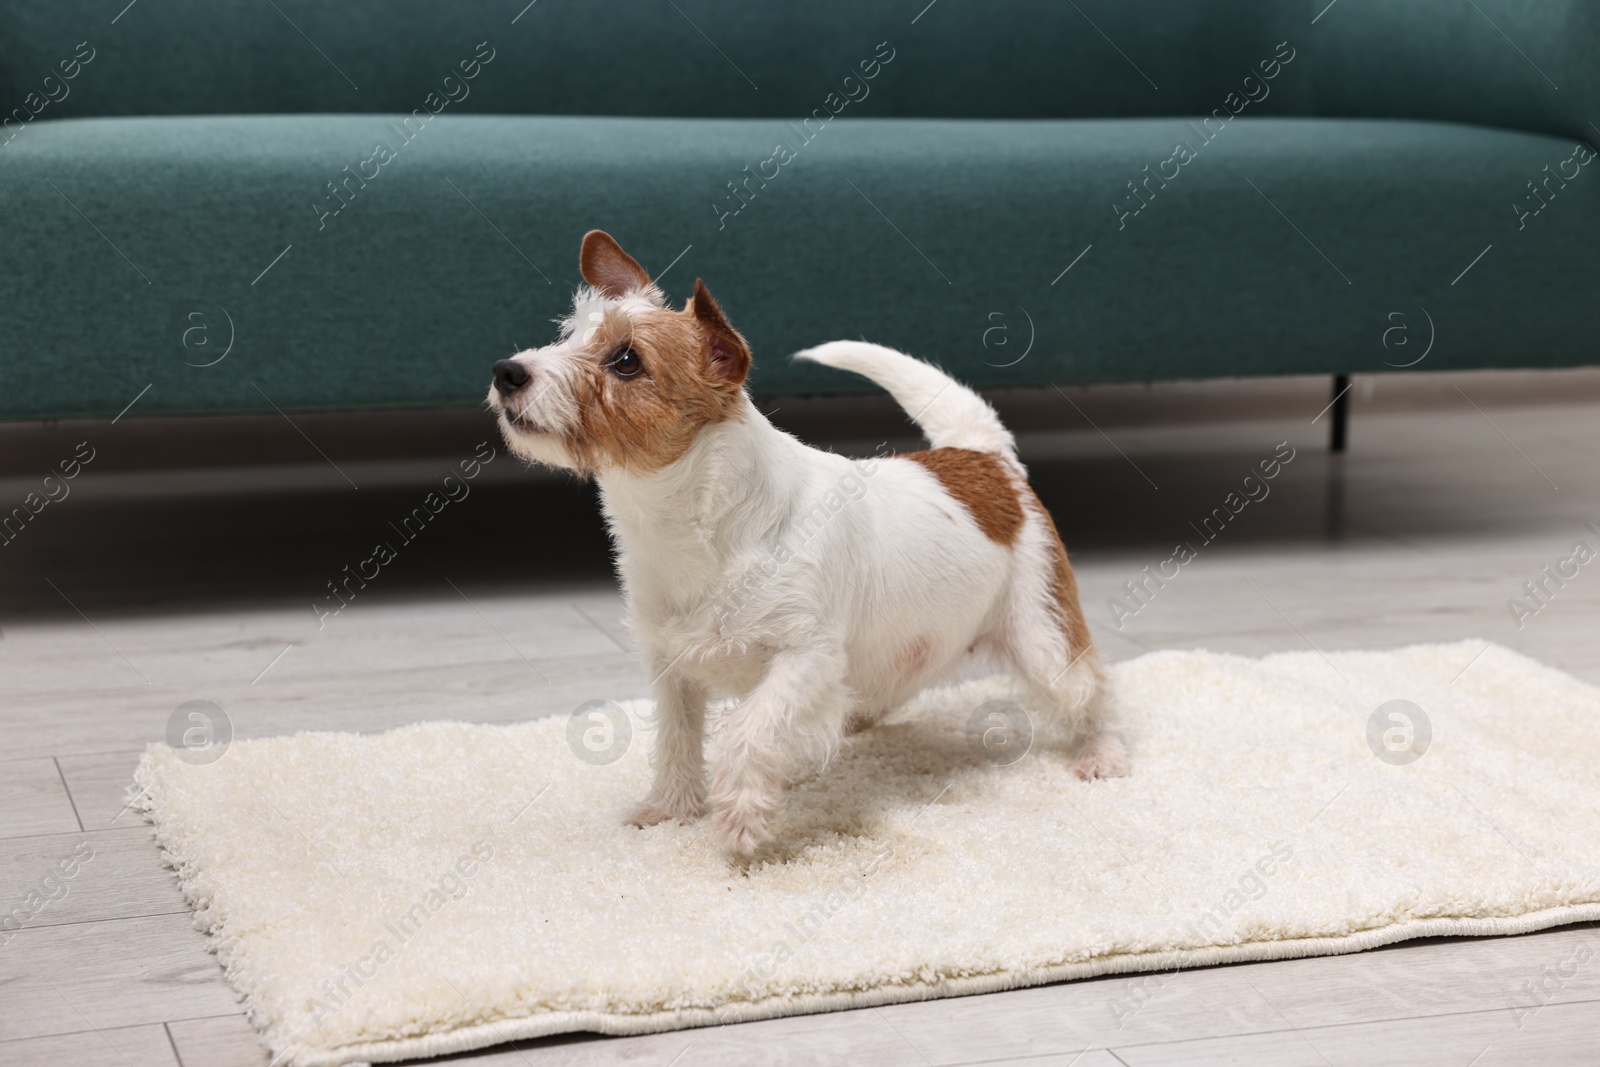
[{"x": 509, "y": 376}]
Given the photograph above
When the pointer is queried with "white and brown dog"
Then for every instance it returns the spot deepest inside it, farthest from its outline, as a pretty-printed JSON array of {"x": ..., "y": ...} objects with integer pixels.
[{"x": 817, "y": 592}]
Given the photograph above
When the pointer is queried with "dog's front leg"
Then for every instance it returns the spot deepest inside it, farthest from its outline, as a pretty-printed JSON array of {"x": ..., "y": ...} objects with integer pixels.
[
  {"x": 798, "y": 707},
  {"x": 680, "y": 786}
]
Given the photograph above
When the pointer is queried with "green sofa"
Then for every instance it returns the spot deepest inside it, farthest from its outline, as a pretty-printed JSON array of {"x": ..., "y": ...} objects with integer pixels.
[{"x": 217, "y": 206}]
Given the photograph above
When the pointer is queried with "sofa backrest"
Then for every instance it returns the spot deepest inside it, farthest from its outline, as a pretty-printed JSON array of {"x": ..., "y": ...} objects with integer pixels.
[
  {"x": 1519, "y": 64},
  {"x": 1490, "y": 61},
  {"x": 743, "y": 58}
]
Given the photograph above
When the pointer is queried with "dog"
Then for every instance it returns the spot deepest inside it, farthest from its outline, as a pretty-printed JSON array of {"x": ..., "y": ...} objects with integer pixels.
[{"x": 817, "y": 592}]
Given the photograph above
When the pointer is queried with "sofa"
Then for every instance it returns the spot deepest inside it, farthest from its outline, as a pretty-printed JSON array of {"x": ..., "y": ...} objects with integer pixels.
[{"x": 215, "y": 206}]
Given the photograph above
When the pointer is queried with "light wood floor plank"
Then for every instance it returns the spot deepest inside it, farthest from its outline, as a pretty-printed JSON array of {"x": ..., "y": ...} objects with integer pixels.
[
  {"x": 475, "y": 626},
  {"x": 1563, "y": 1035},
  {"x": 1518, "y": 975},
  {"x": 1095, "y": 1057},
  {"x": 223, "y": 1041},
  {"x": 74, "y": 723},
  {"x": 99, "y": 785},
  {"x": 114, "y": 973},
  {"x": 85, "y": 878},
  {"x": 126, "y": 1046},
  {"x": 33, "y": 799}
]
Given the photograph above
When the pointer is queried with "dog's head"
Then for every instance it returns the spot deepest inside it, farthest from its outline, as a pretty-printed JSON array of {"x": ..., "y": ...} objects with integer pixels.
[{"x": 630, "y": 383}]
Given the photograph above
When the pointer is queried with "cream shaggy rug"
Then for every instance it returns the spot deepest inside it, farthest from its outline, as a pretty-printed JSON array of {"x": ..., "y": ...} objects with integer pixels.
[{"x": 448, "y": 886}]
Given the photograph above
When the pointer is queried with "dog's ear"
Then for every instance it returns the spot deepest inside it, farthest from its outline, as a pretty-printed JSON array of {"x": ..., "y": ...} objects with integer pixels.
[
  {"x": 607, "y": 267},
  {"x": 730, "y": 356}
]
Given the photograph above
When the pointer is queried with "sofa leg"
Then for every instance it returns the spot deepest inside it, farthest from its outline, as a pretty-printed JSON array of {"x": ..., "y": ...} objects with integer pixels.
[{"x": 1339, "y": 428}]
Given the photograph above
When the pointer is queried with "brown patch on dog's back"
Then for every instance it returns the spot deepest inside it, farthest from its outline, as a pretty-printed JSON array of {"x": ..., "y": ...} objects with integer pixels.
[
  {"x": 983, "y": 485},
  {"x": 998, "y": 498}
]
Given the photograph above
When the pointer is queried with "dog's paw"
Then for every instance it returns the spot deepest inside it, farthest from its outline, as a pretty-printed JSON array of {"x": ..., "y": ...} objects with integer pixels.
[
  {"x": 859, "y": 721},
  {"x": 740, "y": 832},
  {"x": 1101, "y": 758},
  {"x": 655, "y": 809}
]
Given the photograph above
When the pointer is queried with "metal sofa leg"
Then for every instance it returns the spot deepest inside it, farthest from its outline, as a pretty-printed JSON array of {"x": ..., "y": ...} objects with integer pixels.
[{"x": 1339, "y": 428}]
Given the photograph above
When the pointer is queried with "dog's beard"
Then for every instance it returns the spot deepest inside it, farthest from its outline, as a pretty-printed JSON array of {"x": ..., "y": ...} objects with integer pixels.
[
  {"x": 522, "y": 422},
  {"x": 534, "y": 443}
]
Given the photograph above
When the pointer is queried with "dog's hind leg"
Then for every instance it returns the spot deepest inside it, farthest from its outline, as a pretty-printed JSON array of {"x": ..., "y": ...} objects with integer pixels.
[
  {"x": 1047, "y": 642},
  {"x": 1072, "y": 685},
  {"x": 679, "y": 791}
]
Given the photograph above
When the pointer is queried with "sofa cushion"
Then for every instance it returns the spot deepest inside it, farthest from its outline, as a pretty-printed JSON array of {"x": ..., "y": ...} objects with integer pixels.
[{"x": 138, "y": 248}]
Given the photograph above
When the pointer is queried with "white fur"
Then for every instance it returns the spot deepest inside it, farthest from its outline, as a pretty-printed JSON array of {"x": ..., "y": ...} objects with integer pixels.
[
  {"x": 817, "y": 591},
  {"x": 952, "y": 415}
]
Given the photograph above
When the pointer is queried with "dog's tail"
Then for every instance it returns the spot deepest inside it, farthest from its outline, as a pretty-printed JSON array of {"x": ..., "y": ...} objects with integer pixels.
[{"x": 950, "y": 414}]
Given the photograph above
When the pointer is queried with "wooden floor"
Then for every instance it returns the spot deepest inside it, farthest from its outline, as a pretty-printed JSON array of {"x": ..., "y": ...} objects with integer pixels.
[{"x": 191, "y": 578}]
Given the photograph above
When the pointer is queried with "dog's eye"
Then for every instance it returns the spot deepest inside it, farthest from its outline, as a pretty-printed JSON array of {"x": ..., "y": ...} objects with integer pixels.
[{"x": 626, "y": 363}]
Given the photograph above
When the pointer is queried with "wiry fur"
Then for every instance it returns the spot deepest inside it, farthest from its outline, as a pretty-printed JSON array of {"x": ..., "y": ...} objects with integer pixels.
[{"x": 795, "y": 582}]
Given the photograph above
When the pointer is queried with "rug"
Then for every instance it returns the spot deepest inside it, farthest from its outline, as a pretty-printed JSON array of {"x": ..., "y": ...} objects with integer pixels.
[{"x": 448, "y": 886}]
